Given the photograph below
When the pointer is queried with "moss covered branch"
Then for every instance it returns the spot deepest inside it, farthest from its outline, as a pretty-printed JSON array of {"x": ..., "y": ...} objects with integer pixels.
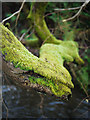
[
  {"x": 36, "y": 17},
  {"x": 16, "y": 53},
  {"x": 49, "y": 65}
]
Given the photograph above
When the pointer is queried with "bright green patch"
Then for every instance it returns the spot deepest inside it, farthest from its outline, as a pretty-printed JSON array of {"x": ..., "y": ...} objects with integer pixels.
[{"x": 57, "y": 89}]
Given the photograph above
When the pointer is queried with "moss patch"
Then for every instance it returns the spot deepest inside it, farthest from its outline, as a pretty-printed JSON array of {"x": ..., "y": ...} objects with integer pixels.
[
  {"x": 57, "y": 54},
  {"x": 56, "y": 89}
]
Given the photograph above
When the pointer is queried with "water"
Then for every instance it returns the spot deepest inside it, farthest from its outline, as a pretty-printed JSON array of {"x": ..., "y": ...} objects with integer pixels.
[{"x": 22, "y": 103}]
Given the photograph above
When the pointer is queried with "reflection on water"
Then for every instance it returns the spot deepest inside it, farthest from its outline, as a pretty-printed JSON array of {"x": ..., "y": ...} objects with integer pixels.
[{"x": 24, "y": 103}]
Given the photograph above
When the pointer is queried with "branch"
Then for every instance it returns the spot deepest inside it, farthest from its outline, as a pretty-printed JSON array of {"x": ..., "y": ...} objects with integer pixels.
[
  {"x": 84, "y": 4},
  {"x": 17, "y": 12},
  {"x": 57, "y": 9},
  {"x": 6, "y": 108},
  {"x": 22, "y": 36},
  {"x": 86, "y": 98}
]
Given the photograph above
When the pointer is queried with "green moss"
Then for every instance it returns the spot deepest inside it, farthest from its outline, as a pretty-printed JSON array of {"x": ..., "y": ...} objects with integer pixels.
[
  {"x": 49, "y": 65},
  {"x": 70, "y": 52},
  {"x": 57, "y": 89},
  {"x": 57, "y": 54}
]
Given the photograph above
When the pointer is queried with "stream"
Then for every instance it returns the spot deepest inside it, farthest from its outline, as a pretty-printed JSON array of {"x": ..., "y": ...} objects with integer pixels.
[{"x": 22, "y": 103}]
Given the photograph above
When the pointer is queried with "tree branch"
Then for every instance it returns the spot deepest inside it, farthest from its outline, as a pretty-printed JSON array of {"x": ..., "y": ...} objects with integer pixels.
[
  {"x": 62, "y": 9},
  {"x": 77, "y": 14},
  {"x": 17, "y": 12}
]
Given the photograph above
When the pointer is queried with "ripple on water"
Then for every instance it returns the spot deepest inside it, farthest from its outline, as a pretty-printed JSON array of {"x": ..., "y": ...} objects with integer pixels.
[{"x": 56, "y": 103}]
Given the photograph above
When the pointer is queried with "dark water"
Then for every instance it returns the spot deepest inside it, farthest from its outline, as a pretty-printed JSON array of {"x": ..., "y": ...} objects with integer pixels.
[{"x": 23, "y": 103}]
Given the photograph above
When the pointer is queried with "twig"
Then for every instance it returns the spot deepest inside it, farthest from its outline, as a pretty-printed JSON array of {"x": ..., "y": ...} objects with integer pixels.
[
  {"x": 83, "y": 114},
  {"x": 77, "y": 14},
  {"x": 62, "y": 9},
  {"x": 80, "y": 103},
  {"x": 22, "y": 36},
  {"x": 47, "y": 38},
  {"x": 81, "y": 47},
  {"x": 30, "y": 34},
  {"x": 84, "y": 89},
  {"x": 17, "y": 12},
  {"x": 75, "y": 73},
  {"x": 58, "y": 10},
  {"x": 5, "y": 107},
  {"x": 50, "y": 14},
  {"x": 10, "y": 17}
]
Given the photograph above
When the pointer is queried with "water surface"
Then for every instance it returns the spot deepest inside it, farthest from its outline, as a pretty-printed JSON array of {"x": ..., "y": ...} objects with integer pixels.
[{"x": 22, "y": 103}]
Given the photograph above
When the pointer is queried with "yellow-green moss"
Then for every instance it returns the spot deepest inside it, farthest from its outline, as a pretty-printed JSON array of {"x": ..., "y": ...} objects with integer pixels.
[
  {"x": 70, "y": 52},
  {"x": 57, "y": 89},
  {"x": 15, "y": 52},
  {"x": 57, "y": 54}
]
